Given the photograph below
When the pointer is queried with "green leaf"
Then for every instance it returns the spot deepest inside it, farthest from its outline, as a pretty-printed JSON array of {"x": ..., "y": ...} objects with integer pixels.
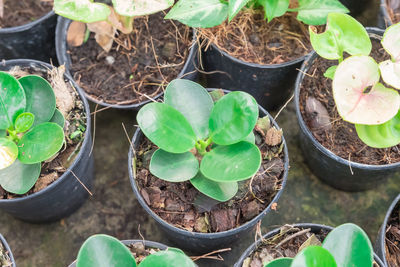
[
  {"x": 167, "y": 258},
  {"x": 58, "y": 118},
  {"x": 104, "y": 251},
  {"x": 40, "y": 98},
  {"x": 235, "y": 6},
  {"x": 390, "y": 72},
  {"x": 133, "y": 8},
  {"x": 231, "y": 163},
  {"x": 174, "y": 167},
  {"x": 19, "y": 178},
  {"x": 330, "y": 72},
  {"x": 314, "y": 256},
  {"x": 193, "y": 101},
  {"x": 41, "y": 143},
  {"x": 8, "y": 152},
  {"x": 381, "y": 135},
  {"x": 233, "y": 118},
  {"x": 315, "y": 12},
  {"x": 349, "y": 245},
  {"x": 3, "y": 133},
  {"x": 195, "y": 13},
  {"x": 274, "y": 8},
  {"x": 166, "y": 127},
  {"x": 391, "y": 41},
  {"x": 12, "y": 100},
  {"x": 24, "y": 121},
  {"x": 82, "y": 10},
  {"x": 250, "y": 138},
  {"x": 281, "y": 262},
  {"x": 219, "y": 191}
]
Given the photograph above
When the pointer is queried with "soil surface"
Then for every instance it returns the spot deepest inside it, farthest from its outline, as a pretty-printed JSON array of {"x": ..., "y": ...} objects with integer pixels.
[
  {"x": 5, "y": 260},
  {"x": 393, "y": 238},
  {"x": 138, "y": 66},
  {"x": 17, "y": 13},
  {"x": 75, "y": 124},
  {"x": 318, "y": 109},
  {"x": 139, "y": 251},
  {"x": 393, "y": 8},
  {"x": 249, "y": 37}
]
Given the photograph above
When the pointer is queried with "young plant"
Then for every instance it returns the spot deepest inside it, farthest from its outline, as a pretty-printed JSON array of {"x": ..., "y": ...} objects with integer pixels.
[
  {"x": 359, "y": 95},
  {"x": 189, "y": 128},
  {"x": 106, "y": 251},
  {"x": 31, "y": 130},
  {"x": 210, "y": 13},
  {"x": 346, "y": 245}
]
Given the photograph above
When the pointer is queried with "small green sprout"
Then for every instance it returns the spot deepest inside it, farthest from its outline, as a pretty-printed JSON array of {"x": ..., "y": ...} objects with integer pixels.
[
  {"x": 189, "y": 128},
  {"x": 106, "y": 251},
  {"x": 31, "y": 130},
  {"x": 346, "y": 245}
]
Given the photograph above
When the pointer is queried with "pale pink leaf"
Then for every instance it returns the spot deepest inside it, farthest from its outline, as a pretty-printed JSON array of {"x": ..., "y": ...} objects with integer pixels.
[
  {"x": 391, "y": 41},
  {"x": 390, "y": 73}
]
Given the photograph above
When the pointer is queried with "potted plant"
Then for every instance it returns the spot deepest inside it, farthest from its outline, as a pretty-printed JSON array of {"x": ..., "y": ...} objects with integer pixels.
[
  {"x": 311, "y": 245},
  {"x": 42, "y": 112},
  {"x": 6, "y": 256},
  {"x": 106, "y": 251},
  {"x": 390, "y": 12},
  {"x": 202, "y": 176},
  {"x": 248, "y": 53},
  {"x": 134, "y": 52},
  {"x": 343, "y": 131},
  {"x": 27, "y": 30}
]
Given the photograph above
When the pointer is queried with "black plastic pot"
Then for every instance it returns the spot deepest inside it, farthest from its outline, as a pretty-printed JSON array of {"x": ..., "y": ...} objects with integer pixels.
[
  {"x": 333, "y": 170},
  {"x": 380, "y": 242},
  {"x": 150, "y": 244},
  {"x": 66, "y": 194},
  {"x": 7, "y": 248},
  {"x": 202, "y": 242},
  {"x": 33, "y": 40},
  {"x": 188, "y": 72},
  {"x": 356, "y": 6},
  {"x": 315, "y": 228}
]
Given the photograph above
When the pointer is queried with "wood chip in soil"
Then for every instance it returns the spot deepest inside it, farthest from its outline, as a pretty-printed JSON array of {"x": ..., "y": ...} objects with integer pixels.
[
  {"x": 392, "y": 244},
  {"x": 20, "y": 12}
]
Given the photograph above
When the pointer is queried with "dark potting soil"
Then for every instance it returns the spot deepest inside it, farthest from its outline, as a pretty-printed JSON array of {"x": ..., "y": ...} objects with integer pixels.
[
  {"x": 139, "y": 65},
  {"x": 249, "y": 37},
  {"x": 393, "y": 8},
  {"x": 70, "y": 104},
  {"x": 5, "y": 260},
  {"x": 181, "y": 205},
  {"x": 328, "y": 127},
  {"x": 392, "y": 238},
  {"x": 139, "y": 251},
  {"x": 20, "y": 12}
]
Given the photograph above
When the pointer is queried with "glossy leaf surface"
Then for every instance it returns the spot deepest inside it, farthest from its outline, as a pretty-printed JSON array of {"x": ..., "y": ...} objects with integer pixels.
[
  {"x": 19, "y": 178},
  {"x": 231, "y": 163},
  {"x": 314, "y": 256},
  {"x": 219, "y": 191},
  {"x": 58, "y": 118},
  {"x": 251, "y": 138},
  {"x": 40, "y": 143},
  {"x": 233, "y": 118},
  {"x": 315, "y": 12},
  {"x": 281, "y": 262},
  {"x": 330, "y": 72},
  {"x": 166, "y": 127},
  {"x": 82, "y": 10},
  {"x": 12, "y": 100},
  {"x": 23, "y": 122},
  {"x": 3, "y": 133},
  {"x": 274, "y": 8},
  {"x": 391, "y": 41},
  {"x": 390, "y": 73},
  {"x": 132, "y": 8},
  {"x": 171, "y": 257},
  {"x": 193, "y": 101},
  {"x": 235, "y": 6},
  {"x": 174, "y": 167},
  {"x": 8, "y": 152}
]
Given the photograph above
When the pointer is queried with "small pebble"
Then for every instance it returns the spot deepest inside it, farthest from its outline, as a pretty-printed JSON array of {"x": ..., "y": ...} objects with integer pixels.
[{"x": 110, "y": 60}]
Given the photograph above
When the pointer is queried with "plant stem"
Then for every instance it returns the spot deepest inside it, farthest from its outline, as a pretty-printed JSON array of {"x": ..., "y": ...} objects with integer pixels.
[{"x": 202, "y": 145}]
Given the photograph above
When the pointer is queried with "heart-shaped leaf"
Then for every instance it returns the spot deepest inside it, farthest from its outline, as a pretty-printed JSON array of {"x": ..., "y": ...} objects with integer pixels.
[
  {"x": 193, "y": 101},
  {"x": 315, "y": 12},
  {"x": 219, "y": 191},
  {"x": 166, "y": 127},
  {"x": 274, "y": 8},
  {"x": 104, "y": 251},
  {"x": 314, "y": 256},
  {"x": 202, "y": 14},
  {"x": 174, "y": 167},
  {"x": 58, "y": 118},
  {"x": 350, "y": 246},
  {"x": 41, "y": 143},
  {"x": 235, "y": 6},
  {"x": 231, "y": 163},
  {"x": 330, "y": 72},
  {"x": 19, "y": 178},
  {"x": 167, "y": 258},
  {"x": 391, "y": 41},
  {"x": 40, "y": 98},
  {"x": 82, "y": 10},
  {"x": 8, "y": 152},
  {"x": 390, "y": 73},
  {"x": 233, "y": 118},
  {"x": 23, "y": 122},
  {"x": 281, "y": 262},
  {"x": 12, "y": 100},
  {"x": 133, "y": 8},
  {"x": 352, "y": 78}
]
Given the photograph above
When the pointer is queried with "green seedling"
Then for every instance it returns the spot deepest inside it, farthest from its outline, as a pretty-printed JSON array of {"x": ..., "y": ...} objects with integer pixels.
[
  {"x": 346, "y": 245},
  {"x": 210, "y": 13},
  {"x": 188, "y": 127},
  {"x": 106, "y": 251},
  {"x": 31, "y": 130},
  {"x": 359, "y": 95}
]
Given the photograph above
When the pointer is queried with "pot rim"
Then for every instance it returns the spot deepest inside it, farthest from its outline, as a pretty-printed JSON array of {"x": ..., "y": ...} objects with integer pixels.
[
  {"x": 27, "y": 26},
  {"x": 16, "y": 62},
  {"x": 7, "y": 247}
]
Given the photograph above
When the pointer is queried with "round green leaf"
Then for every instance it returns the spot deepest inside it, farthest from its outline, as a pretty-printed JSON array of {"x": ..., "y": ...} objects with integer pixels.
[
  {"x": 24, "y": 121},
  {"x": 58, "y": 118},
  {"x": 391, "y": 41},
  {"x": 193, "y": 101},
  {"x": 233, "y": 118},
  {"x": 104, "y": 251},
  {"x": 167, "y": 258},
  {"x": 174, "y": 167},
  {"x": 315, "y": 12},
  {"x": 166, "y": 127},
  {"x": 40, "y": 143},
  {"x": 8, "y": 152},
  {"x": 251, "y": 138},
  {"x": 3, "y": 133},
  {"x": 314, "y": 256},
  {"x": 231, "y": 163},
  {"x": 132, "y": 8},
  {"x": 350, "y": 246},
  {"x": 281, "y": 262},
  {"x": 40, "y": 98},
  {"x": 219, "y": 191},
  {"x": 390, "y": 73},
  {"x": 274, "y": 8},
  {"x": 12, "y": 100},
  {"x": 19, "y": 178},
  {"x": 82, "y": 10}
]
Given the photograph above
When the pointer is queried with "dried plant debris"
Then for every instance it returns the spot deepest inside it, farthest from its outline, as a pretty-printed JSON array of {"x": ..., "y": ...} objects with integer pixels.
[
  {"x": 392, "y": 244},
  {"x": 139, "y": 251},
  {"x": 393, "y": 7},
  {"x": 5, "y": 260}
]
